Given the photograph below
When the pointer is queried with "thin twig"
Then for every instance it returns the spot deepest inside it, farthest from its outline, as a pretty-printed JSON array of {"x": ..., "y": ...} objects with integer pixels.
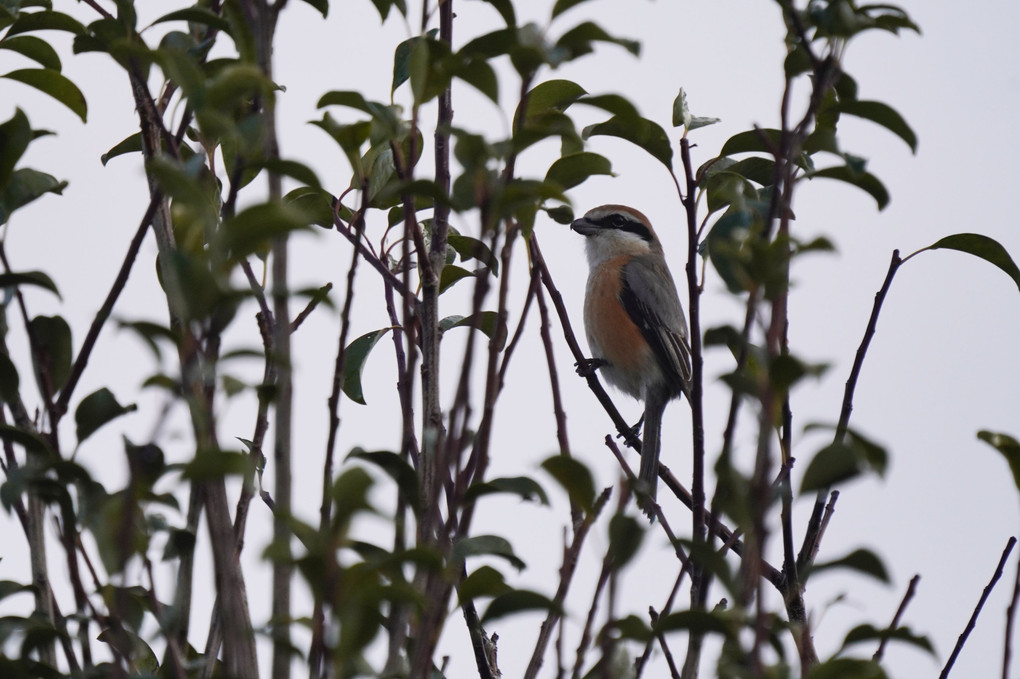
[
  {"x": 1007, "y": 644},
  {"x": 977, "y": 609},
  {"x": 895, "y": 623}
]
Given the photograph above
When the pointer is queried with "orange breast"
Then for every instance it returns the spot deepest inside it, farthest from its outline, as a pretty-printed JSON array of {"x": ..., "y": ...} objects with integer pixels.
[{"x": 611, "y": 332}]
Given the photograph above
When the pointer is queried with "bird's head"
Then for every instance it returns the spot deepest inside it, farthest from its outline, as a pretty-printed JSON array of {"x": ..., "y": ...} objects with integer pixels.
[{"x": 613, "y": 230}]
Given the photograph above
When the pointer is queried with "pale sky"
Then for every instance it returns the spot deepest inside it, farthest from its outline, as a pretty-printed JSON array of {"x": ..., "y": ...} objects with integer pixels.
[{"x": 943, "y": 365}]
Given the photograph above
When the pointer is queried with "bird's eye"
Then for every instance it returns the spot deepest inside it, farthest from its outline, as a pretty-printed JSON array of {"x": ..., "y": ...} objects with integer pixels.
[{"x": 617, "y": 221}]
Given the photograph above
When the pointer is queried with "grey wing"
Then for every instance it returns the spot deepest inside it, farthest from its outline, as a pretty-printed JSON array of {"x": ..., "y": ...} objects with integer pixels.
[{"x": 656, "y": 310}]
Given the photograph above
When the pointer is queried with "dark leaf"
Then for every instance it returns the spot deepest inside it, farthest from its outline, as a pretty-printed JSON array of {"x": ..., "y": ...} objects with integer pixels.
[
  {"x": 486, "y": 581},
  {"x": 54, "y": 84},
  {"x": 639, "y": 131},
  {"x": 866, "y": 633},
  {"x": 354, "y": 363},
  {"x": 517, "y": 601},
  {"x": 751, "y": 141},
  {"x": 9, "y": 379},
  {"x": 450, "y": 275},
  {"x": 625, "y": 537},
  {"x": 574, "y": 477},
  {"x": 846, "y": 668},
  {"x": 28, "y": 22},
  {"x": 25, "y": 186},
  {"x": 251, "y": 230},
  {"x": 486, "y": 545},
  {"x": 51, "y": 337},
  {"x": 884, "y": 115},
  {"x": 865, "y": 181},
  {"x": 571, "y": 170},
  {"x": 578, "y": 40},
  {"x": 131, "y": 144},
  {"x": 984, "y": 247},
  {"x": 97, "y": 409},
  {"x": 321, "y": 5},
  {"x": 197, "y": 15},
  {"x": 1010, "y": 449},
  {"x": 36, "y": 278},
  {"x": 487, "y": 321},
  {"x": 552, "y": 96},
  {"x": 861, "y": 560},
  {"x": 694, "y": 621},
  {"x": 15, "y": 136},
  {"x": 523, "y": 486},
  {"x": 215, "y": 464},
  {"x": 36, "y": 49},
  {"x": 562, "y": 6},
  {"x": 397, "y": 468}
]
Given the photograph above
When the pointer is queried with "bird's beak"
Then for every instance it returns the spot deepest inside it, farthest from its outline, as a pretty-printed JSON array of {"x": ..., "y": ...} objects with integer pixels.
[{"x": 583, "y": 226}]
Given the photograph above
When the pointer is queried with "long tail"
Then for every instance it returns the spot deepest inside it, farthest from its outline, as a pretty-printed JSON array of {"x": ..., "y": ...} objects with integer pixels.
[{"x": 648, "y": 476}]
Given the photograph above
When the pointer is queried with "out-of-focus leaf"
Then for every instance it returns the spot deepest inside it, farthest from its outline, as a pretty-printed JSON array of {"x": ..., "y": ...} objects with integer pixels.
[
  {"x": 574, "y": 477},
  {"x": 452, "y": 274},
  {"x": 1010, "y": 449},
  {"x": 833, "y": 464},
  {"x": 505, "y": 9},
  {"x": 54, "y": 84},
  {"x": 15, "y": 136},
  {"x": 751, "y": 141},
  {"x": 316, "y": 204},
  {"x": 485, "y": 581},
  {"x": 51, "y": 337},
  {"x": 517, "y": 601},
  {"x": 251, "y": 230},
  {"x": 578, "y": 40},
  {"x": 867, "y": 633},
  {"x": 984, "y": 247},
  {"x": 36, "y": 278},
  {"x": 694, "y": 621},
  {"x": 847, "y": 668},
  {"x": 524, "y": 487},
  {"x": 571, "y": 170},
  {"x": 487, "y": 321},
  {"x": 397, "y": 468},
  {"x": 9, "y": 379},
  {"x": 215, "y": 464},
  {"x": 197, "y": 15},
  {"x": 25, "y": 186},
  {"x": 36, "y": 49},
  {"x": 354, "y": 363},
  {"x": 486, "y": 545},
  {"x": 383, "y": 7},
  {"x": 861, "y": 560},
  {"x": 625, "y": 537},
  {"x": 29, "y": 22},
  {"x": 639, "y": 131},
  {"x": 562, "y": 6},
  {"x": 551, "y": 96},
  {"x": 97, "y": 409}
]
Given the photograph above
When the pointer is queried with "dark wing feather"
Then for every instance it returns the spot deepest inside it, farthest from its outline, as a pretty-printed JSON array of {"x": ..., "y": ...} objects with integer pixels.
[{"x": 665, "y": 330}]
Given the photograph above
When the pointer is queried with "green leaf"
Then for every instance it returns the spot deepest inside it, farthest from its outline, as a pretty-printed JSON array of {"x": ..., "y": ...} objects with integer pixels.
[
  {"x": 570, "y": 170},
  {"x": 562, "y": 6},
  {"x": 215, "y": 464},
  {"x": 751, "y": 141},
  {"x": 884, "y": 115},
  {"x": 355, "y": 357},
  {"x": 397, "y": 468},
  {"x": 37, "y": 278},
  {"x": 9, "y": 379},
  {"x": 551, "y": 96},
  {"x": 861, "y": 560},
  {"x": 450, "y": 275},
  {"x": 485, "y": 581},
  {"x": 1010, "y": 449},
  {"x": 383, "y": 7},
  {"x": 681, "y": 113},
  {"x": 51, "y": 337},
  {"x": 251, "y": 230},
  {"x": 487, "y": 321},
  {"x": 506, "y": 10},
  {"x": 54, "y": 84},
  {"x": 293, "y": 169},
  {"x": 36, "y": 49},
  {"x": 625, "y": 537},
  {"x": 578, "y": 40},
  {"x": 486, "y": 545},
  {"x": 517, "y": 601},
  {"x": 832, "y": 464},
  {"x": 574, "y": 477},
  {"x": 316, "y": 204},
  {"x": 984, "y": 247},
  {"x": 847, "y": 668},
  {"x": 24, "y": 187},
  {"x": 97, "y": 409},
  {"x": 45, "y": 21},
  {"x": 15, "y": 136},
  {"x": 131, "y": 144},
  {"x": 523, "y": 486},
  {"x": 694, "y": 621},
  {"x": 197, "y": 15},
  {"x": 868, "y": 633},
  {"x": 865, "y": 181},
  {"x": 639, "y": 131}
]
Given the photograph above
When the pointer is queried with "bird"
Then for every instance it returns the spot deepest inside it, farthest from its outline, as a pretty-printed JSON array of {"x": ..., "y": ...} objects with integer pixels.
[{"x": 634, "y": 321}]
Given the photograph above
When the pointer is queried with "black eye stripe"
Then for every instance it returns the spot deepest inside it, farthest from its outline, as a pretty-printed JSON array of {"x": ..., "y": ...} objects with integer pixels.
[{"x": 623, "y": 223}]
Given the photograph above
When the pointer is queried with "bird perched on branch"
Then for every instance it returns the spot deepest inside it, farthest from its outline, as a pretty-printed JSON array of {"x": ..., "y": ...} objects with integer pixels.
[{"x": 634, "y": 320}]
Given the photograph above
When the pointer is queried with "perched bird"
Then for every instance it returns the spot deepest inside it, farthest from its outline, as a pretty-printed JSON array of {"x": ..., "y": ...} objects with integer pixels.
[{"x": 634, "y": 320}]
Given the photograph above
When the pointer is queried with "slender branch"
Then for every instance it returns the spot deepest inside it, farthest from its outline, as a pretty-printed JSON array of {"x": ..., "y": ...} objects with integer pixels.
[
  {"x": 977, "y": 609},
  {"x": 895, "y": 623},
  {"x": 1007, "y": 644}
]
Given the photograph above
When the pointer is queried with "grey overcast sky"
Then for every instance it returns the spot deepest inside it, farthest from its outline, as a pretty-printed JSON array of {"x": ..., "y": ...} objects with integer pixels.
[{"x": 944, "y": 363}]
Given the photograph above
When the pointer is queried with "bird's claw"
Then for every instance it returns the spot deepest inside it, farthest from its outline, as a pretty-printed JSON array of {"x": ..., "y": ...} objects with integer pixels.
[{"x": 586, "y": 367}]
